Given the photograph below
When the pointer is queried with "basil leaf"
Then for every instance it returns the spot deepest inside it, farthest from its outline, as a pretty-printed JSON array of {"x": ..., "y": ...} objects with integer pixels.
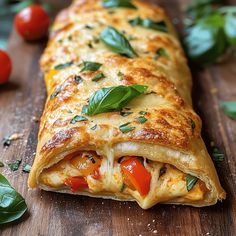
[
  {"x": 14, "y": 166},
  {"x": 78, "y": 79},
  {"x": 150, "y": 24},
  {"x": 78, "y": 119},
  {"x": 125, "y": 128},
  {"x": 190, "y": 181},
  {"x": 117, "y": 42},
  {"x": 159, "y": 53},
  {"x": 63, "y": 65},
  {"x": 205, "y": 41},
  {"x": 229, "y": 109},
  {"x": 27, "y": 168},
  {"x": 230, "y": 28},
  {"x": 12, "y": 204},
  {"x": 90, "y": 66},
  {"x": 98, "y": 76},
  {"x": 118, "y": 3},
  {"x": 141, "y": 119},
  {"x": 113, "y": 98},
  {"x": 217, "y": 156}
]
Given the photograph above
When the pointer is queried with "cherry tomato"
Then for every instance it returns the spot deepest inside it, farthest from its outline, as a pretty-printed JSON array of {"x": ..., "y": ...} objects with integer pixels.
[
  {"x": 76, "y": 183},
  {"x": 32, "y": 22},
  {"x": 135, "y": 175},
  {"x": 5, "y": 67}
]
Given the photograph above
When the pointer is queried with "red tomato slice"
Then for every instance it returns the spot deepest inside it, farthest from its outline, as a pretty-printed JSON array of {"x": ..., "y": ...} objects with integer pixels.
[
  {"x": 6, "y": 66},
  {"x": 32, "y": 22},
  {"x": 136, "y": 175},
  {"x": 76, "y": 183}
]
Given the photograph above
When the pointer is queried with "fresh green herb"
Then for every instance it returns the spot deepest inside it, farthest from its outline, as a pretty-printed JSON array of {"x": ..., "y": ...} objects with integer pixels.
[
  {"x": 90, "y": 45},
  {"x": 190, "y": 181},
  {"x": 230, "y": 28},
  {"x": 117, "y": 42},
  {"x": 98, "y": 76},
  {"x": 63, "y": 65},
  {"x": 229, "y": 109},
  {"x": 90, "y": 66},
  {"x": 84, "y": 109},
  {"x": 141, "y": 119},
  {"x": 70, "y": 37},
  {"x": 150, "y": 24},
  {"x": 78, "y": 79},
  {"x": 1, "y": 164},
  {"x": 160, "y": 53},
  {"x": 193, "y": 125},
  {"x": 7, "y": 141},
  {"x": 27, "y": 168},
  {"x": 14, "y": 166},
  {"x": 162, "y": 171},
  {"x": 217, "y": 156},
  {"x": 78, "y": 119},
  {"x": 12, "y": 204},
  {"x": 118, "y": 3},
  {"x": 56, "y": 92},
  {"x": 120, "y": 74},
  {"x": 125, "y": 128},
  {"x": 94, "y": 127},
  {"x": 142, "y": 112},
  {"x": 122, "y": 188},
  {"x": 88, "y": 27},
  {"x": 125, "y": 113},
  {"x": 113, "y": 98}
]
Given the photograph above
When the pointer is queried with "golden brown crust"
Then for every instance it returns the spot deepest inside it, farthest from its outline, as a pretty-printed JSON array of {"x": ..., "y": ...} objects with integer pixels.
[{"x": 168, "y": 104}]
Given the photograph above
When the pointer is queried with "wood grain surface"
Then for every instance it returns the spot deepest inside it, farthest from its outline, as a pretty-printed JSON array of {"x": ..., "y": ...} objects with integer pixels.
[{"x": 59, "y": 214}]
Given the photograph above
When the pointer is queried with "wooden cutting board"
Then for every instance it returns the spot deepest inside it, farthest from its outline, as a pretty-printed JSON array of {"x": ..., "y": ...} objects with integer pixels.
[{"x": 58, "y": 214}]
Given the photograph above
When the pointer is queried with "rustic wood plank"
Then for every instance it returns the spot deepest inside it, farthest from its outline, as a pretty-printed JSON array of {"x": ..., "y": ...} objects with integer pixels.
[{"x": 59, "y": 214}]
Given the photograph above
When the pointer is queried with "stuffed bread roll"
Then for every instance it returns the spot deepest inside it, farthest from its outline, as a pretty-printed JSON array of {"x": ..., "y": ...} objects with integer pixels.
[{"x": 118, "y": 121}]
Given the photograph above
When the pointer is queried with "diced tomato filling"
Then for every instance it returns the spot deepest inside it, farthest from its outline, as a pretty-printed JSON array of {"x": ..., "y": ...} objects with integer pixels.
[{"x": 76, "y": 183}]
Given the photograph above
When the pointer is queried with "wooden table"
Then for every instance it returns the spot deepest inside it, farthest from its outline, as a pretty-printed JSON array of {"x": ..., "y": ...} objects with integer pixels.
[{"x": 58, "y": 214}]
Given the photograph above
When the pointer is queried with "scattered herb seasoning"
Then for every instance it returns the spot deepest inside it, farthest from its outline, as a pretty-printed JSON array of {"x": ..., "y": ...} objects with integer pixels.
[
  {"x": 88, "y": 27},
  {"x": 90, "y": 157},
  {"x": 125, "y": 128},
  {"x": 27, "y": 168},
  {"x": 78, "y": 119},
  {"x": 121, "y": 75},
  {"x": 84, "y": 109},
  {"x": 142, "y": 112},
  {"x": 63, "y": 65},
  {"x": 193, "y": 125},
  {"x": 150, "y": 24},
  {"x": 95, "y": 39},
  {"x": 125, "y": 113},
  {"x": 78, "y": 79},
  {"x": 94, "y": 127},
  {"x": 70, "y": 37},
  {"x": 97, "y": 77},
  {"x": 90, "y": 45},
  {"x": 190, "y": 181},
  {"x": 118, "y": 3},
  {"x": 160, "y": 53},
  {"x": 122, "y": 188},
  {"x": 141, "y": 119},
  {"x": 13, "y": 205},
  {"x": 117, "y": 42},
  {"x": 14, "y": 166},
  {"x": 56, "y": 92},
  {"x": 162, "y": 171},
  {"x": 7, "y": 141},
  {"x": 1, "y": 164},
  {"x": 217, "y": 156},
  {"x": 90, "y": 66}
]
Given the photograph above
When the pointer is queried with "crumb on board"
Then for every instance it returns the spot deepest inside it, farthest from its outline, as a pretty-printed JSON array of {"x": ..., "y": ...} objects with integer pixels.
[
  {"x": 8, "y": 139},
  {"x": 214, "y": 90},
  {"x": 35, "y": 119}
]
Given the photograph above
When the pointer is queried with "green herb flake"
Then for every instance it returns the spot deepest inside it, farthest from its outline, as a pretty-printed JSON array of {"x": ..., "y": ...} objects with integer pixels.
[
  {"x": 118, "y": 3},
  {"x": 14, "y": 166},
  {"x": 143, "y": 113},
  {"x": 122, "y": 188},
  {"x": 90, "y": 45},
  {"x": 125, "y": 113},
  {"x": 94, "y": 127},
  {"x": 190, "y": 181},
  {"x": 162, "y": 171},
  {"x": 12, "y": 204},
  {"x": 63, "y": 65},
  {"x": 78, "y": 79},
  {"x": 88, "y": 27},
  {"x": 84, "y": 109},
  {"x": 78, "y": 119},
  {"x": 117, "y": 42},
  {"x": 113, "y": 98},
  {"x": 141, "y": 119},
  {"x": 161, "y": 52},
  {"x": 56, "y": 92},
  {"x": 7, "y": 141},
  {"x": 229, "y": 108},
  {"x": 27, "y": 168},
  {"x": 1, "y": 164},
  {"x": 125, "y": 128},
  {"x": 90, "y": 66},
  {"x": 97, "y": 77},
  {"x": 217, "y": 156},
  {"x": 193, "y": 124}
]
